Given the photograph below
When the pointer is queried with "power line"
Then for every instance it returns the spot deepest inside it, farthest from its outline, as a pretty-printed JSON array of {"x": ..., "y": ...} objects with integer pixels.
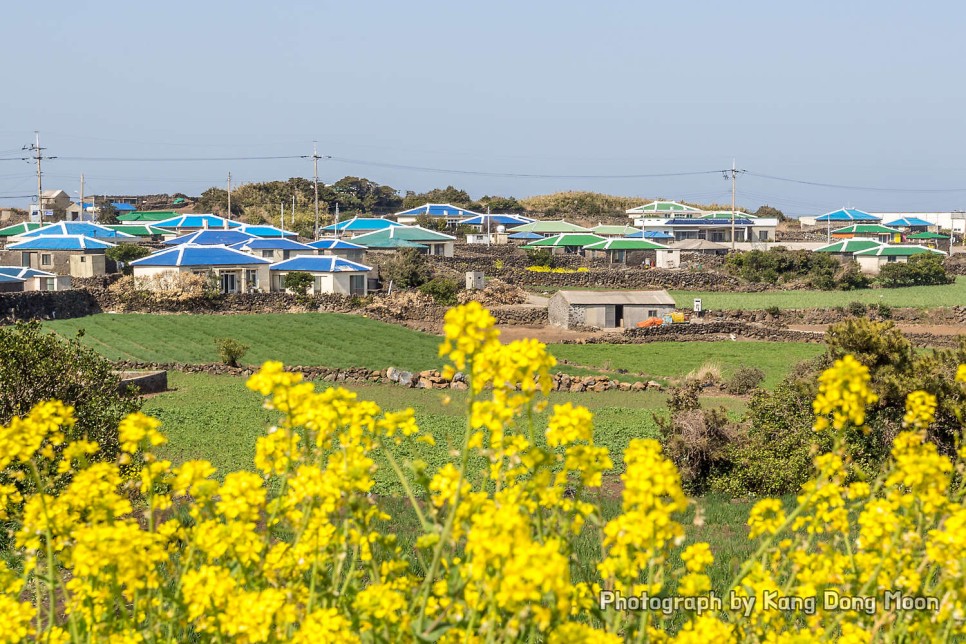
[
  {"x": 515, "y": 175},
  {"x": 843, "y": 187},
  {"x": 183, "y": 159}
]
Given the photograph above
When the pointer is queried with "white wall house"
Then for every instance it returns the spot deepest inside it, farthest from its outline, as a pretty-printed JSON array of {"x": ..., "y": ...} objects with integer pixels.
[
  {"x": 330, "y": 274},
  {"x": 234, "y": 270}
]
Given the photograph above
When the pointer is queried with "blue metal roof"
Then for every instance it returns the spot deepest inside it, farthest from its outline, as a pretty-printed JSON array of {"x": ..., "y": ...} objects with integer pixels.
[
  {"x": 10, "y": 279},
  {"x": 265, "y": 230},
  {"x": 319, "y": 264},
  {"x": 261, "y": 243},
  {"x": 76, "y": 228},
  {"x": 525, "y": 236},
  {"x": 439, "y": 210},
  {"x": 23, "y": 272},
  {"x": 701, "y": 223},
  {"x": 197, "y": 221},
  {"x": 217, "y": 237},
  {"x": 496, "y": 220},
  {"x": 361, "y": 224},
  {"x": 909, "y": 222},
  {"x": 123, "y": 207},
  {"x": 651, "y": 234},
  {"x": 199, "y": 255},
  {"x": 61, "y": 242},
  {"x": 847, "y": 214},
  {"x": 335, "y": 244}
]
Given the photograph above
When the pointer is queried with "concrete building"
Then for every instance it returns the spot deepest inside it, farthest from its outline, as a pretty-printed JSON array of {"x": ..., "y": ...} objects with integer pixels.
[
  {"x": 871, "y": 261},
  {"x": 607, "y": 309},
  {"x": 330, "y": 274},
  {"x": 74, "y": 255},
  {"x": 339, "y": 248},
  {"x": 234, "y": 270},
  {"x": 954, "y": 220},
  {"x": 276, "y": 250},
  {"x": 36, "y": 280}
]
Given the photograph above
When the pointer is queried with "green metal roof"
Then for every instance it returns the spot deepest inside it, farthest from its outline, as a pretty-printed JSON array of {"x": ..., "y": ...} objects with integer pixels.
[
  {"x": 726, "y": 214},
  {"x": 853, "y": 245},
  {"x": 385, "y": 238},
  {"x": 927, "y": 235},
  {"x": 146, "y": 215},
  {"x": 604, "y": 229},
  {"x": 663, "y": 207},
  {"x": 866, "y": 229},
  {"x": 19, "y": 229},
  {"x": 887, "y": 250},
  {"x": 625, "y": 244},
  {"x": 567, "y": 239},
  {"x": 549, "y": 228},
  {"x": 138, "y": 230}
]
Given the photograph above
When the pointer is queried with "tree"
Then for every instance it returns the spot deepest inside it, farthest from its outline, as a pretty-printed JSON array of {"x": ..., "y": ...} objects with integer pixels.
[
  {"x": 298, "y": 282},
  {"x": 230, "y": 350},
  {"x": 502, "y": 204},
  {"x": 106, "y": 213},
  {"x": 921, "y": 270},
  {"x": 408, "y": 269},
  {"x": 37, "y": 366},
  {"x": 770, "y": 213},
  {"x": 127, "y": 253},
  {"x": 449, "y": 194},
  {"x": 215, "y": 200}
]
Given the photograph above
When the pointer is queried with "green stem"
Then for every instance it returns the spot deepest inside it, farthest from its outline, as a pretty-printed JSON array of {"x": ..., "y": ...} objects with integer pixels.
[{"x": 408, "y": 489}]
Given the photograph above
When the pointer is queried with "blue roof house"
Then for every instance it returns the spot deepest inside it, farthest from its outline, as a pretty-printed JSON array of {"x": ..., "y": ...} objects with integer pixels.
[
  {"x": 268, "y": 231},
  {"x": 847, "y": 216},
  {"x": 190, "y": 223},
  {"x": 74, "y": 255},
  {"x": 11, "y": 284},
  {"x": 233, "y": 270},
  {"x": 35, "y": 279},
  {"x": 360, "y": 225},
  {"x": 216, "y": 237},
  {"x": 340, "y": 248},
  {"x": 910, "y": 224},
  {"x": 276, "y": 249},
  {"x": 330, "y": 274},
  {"x": 449, "y": 213},
  {"x": 84, "y": 228}
]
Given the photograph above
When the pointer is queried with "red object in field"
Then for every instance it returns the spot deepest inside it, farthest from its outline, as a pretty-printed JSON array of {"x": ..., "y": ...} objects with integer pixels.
[{"x": 649, "y": 322}]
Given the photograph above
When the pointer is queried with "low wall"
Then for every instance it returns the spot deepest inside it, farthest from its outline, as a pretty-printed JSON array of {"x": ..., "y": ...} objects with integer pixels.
[
  {"x": 147, "y": 382},
  {"x": 47, "y": 305}
]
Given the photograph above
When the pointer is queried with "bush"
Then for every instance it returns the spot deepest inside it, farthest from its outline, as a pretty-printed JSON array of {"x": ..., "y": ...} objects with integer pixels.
[
  {"x": 36, "y": 366},
  {"x": 921, "y": 270},
  {"x": 407, "y": 269},
  {"x": 298, "y": 282},
  {"x": 778, "y": 264},
  {"x": 773, "y": 311},
  {"x": 127, "y": 253},
  {"x": 540, "y": 257},
  {"x": 442, "y": 289},
  {"x": 744, "y": 380},
  {"x": 857, "y": 309},
  {"x": 510, "y": 535},
  {"x": 230, "y": 351}
]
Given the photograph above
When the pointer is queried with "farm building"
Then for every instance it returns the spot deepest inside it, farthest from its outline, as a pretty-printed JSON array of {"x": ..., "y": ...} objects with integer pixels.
[
  {"x": 871, "y": 261},
  {"x": 607, "y": 309},
  {"x": 330, "y": 274},
  {"x": 236, "y": 271},
  {"x": 74, "y": 255}
]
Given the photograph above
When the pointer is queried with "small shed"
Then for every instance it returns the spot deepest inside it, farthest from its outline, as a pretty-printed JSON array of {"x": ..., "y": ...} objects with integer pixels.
[{"x": 607, "y": 309}]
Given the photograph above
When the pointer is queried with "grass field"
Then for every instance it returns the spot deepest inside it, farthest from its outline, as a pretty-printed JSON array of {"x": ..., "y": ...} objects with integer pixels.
[
  {"x": 663, "y": 360},
  {"x": 218, "y": 419},
  {"x": 913, "y": 296},
  {"x": 329, "y": 339},
  {"x": 340, "y": 341}
]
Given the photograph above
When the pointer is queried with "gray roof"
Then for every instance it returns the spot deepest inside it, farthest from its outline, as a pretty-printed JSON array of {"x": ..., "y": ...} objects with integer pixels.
[
  {"x": 698, "y": 244},
  {"x": 616, "y": 297}
]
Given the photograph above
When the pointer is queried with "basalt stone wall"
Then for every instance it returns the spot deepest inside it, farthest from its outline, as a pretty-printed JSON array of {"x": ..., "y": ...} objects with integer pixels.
[
  {"x": 47, "y": 305},
  {"x": 945, "y": 315},
  {"x": 146, "y": 302},
  {"x": 654, "y": 278}
]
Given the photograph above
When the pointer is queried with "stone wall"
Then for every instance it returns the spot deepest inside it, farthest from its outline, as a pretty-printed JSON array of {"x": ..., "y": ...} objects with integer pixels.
[
  {"x": 945, "y": 315},
  {"x": 47, "y": 305},
  {"x": 147, "y": 382}
]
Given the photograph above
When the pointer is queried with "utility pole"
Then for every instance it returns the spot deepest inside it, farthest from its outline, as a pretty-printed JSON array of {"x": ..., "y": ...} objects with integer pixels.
[
  {"x": 315, "y": 172},
  {"x": 229, "y": 195},
  {"x": 336, "y": 219},
  {"x": 281, "y": 224},
  {"x": 733, "y": 173},
  {"x": 80, "y": 217},
  {"x": 293, "y": 211},
  {"x": 38, "y": 156}
]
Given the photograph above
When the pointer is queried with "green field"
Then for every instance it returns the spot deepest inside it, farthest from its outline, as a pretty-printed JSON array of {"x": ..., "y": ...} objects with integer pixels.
[
  {"x": 218, "y": 419},
  {"x": 663, "y": 360},
  {"x": 329, "y": 339},
  {"x": 913, "y": 296}
]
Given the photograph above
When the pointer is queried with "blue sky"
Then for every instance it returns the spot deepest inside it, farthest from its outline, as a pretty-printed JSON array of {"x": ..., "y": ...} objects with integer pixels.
[{"x": 862, "y": 94}]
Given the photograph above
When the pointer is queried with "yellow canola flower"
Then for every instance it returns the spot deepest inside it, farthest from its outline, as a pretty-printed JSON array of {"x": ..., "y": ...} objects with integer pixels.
[
  {"x": 136, "y": 428},
  {"x": 467, "y": 329},
  {"x": 15, "y": 620},
  {"x": 920, "y": 410},
  {"x": 697, "y": 557},
  {"x": 766, "y": 517},
  {"x": 569, "y": 424},
  {"x": 844, "y": 394}
]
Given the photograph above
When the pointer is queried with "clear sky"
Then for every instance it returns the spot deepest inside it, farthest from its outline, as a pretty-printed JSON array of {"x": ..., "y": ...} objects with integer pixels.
[{"x": 858, "y": 93}]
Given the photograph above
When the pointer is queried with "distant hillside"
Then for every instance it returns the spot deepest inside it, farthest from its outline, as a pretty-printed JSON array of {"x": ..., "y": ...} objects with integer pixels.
[{"x": 592, "y": 206}]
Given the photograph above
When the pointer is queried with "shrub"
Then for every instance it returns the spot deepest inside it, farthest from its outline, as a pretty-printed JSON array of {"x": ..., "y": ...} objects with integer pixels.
[
  {"x": 443, "y": 290},
  {"x": 36, "y": 366},
  {"x": 744, "y": 380},
  {"x": 857, "y": 309},
  {"x": 298, "y": 282},
  {"x": 300, "y": 550},
  {"x": 230, "y": 351},
  {"x": 540, "y": 257},
  {"x": 707, "y": 374},
  {"x": 778, "y": 264},
  {"x": 406, "y": 269},
  {"x": 921, "y": 270},
  {"x": 773, "y": 311},
  {"x": 127, "y": 253}
]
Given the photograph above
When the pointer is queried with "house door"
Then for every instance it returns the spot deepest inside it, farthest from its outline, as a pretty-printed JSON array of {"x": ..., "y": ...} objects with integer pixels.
[
  {"x": 25, "y": 259},
  {"x": 610, "y": 317},
  {"x": 618, "y": 315},
  {"x": 229, "y": 283}
]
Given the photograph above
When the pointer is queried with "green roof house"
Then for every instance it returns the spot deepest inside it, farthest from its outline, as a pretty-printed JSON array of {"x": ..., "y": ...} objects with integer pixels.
[
  {"x": 847, "y": 247},
  {"x": 566, "y": 242},
  {"x": 436, "y": 243},
  {"x": 871, "y": 261},
  {"x": 635, "y": 251},
  {"x": 605, "y": 230},
  {"x": 19, "y": 229},
  {"x": 667, "y": 209},
  {"x": 549, "y": 228},
  {"x": 874, "y": 231}
]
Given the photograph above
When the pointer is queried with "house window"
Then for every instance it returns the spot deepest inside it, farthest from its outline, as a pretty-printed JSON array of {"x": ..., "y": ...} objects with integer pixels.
[
  {"x": 357, "y": 285},
  {"x": 83, "y": 258},
  {"x": 892, "y": 259},
  {"x": 652, "y": 313},
  {"x": 251, "y": 277},
  {"x": 46, "y": 260},
  {"x": 762, "y": 235},
  {"x": 50, "y": 283},
  {"x": 268, "y": 253}
]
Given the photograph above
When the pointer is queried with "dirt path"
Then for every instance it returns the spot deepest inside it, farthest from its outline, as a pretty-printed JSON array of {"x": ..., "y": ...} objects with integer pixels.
[
  {"x": 932, "y": 329},
  {"x": 546, "y": 334}
]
